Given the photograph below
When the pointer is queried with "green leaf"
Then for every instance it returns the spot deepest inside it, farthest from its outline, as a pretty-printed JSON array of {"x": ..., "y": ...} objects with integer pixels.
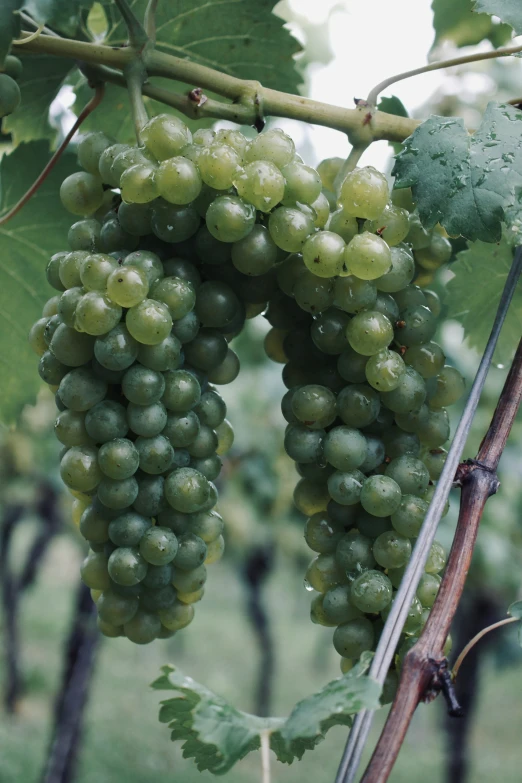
[
  {"x": 9, "y": 25},
  {"x": 41, "y": 79},
  {"x": 472, "y": 297},
  {"x": 465, "y": 182},
  {"x": 454, "y": 20},
  {"x": 509, "y": 11},
  {"x": 217, "y": 735},
  {"x": 240, "y": 37},
  {"x": 26, "y": 242},
  {"x": 515, "y": 610},
  {"x": 62, "y": 15}
]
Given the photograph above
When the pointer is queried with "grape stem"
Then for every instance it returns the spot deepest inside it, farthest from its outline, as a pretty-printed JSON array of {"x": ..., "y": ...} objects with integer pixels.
[
  {"x": 470, "y": 645},
  {"x": 265, "y": 756},
  {"x": 350, "y": 164},
  {"x": 93, "y": 103},
  {"x": 478, "y": 481},
  {"x": 134, "y": 76},
  {"x": 137, "y": 35},
  {"x": 24, "y": 41},
  {"x": 468, "y": 58}
]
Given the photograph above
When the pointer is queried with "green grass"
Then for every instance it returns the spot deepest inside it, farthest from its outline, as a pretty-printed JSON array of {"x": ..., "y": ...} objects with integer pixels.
[{"x": 125, "y": 743}]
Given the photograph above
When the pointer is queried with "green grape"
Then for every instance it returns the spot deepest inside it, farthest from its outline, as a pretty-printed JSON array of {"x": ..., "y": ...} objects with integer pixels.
[
  {"x": 358, "y": 405},
  {"x": 410, "y": 474},
  {"x": 70, "y": 347},
  {"x": 408, "y": 518},
  {"x": 51, "y": 370},
  {"x": 158, "y": 546},
  {"x": 90, "y": 149},
  {"x": 52, "y": 271},
  {"x": 418, "y": 237},
  {"x": 116, "y": 350},
  {"x": 302, "y": 183},
  {"x": 127, "y": 286},
  {"x": 290, "y": 228},
  {"x": 392, "y": 550},
  {"x": 433, "y": 302},
  {"x": 314, "y": 405},
  {"x": 177, "y": 616},
  {"x": 118, "y": 458},
  {"x": 345, "y": 487},
  {"x": 231, "y": 137},
  {"x": 273, "y": 345},
  {"x": 309, "y": 497},
  {"x": 408, "y": 395},
  {"x": 375, "y": 454},
  {"x": 113, "y": 239},
  {"x": 218, "y": 165},
  {"x": 94, "y": 271},
  {"x": 209, "y": 466},
  {"x": 138, "y": 184},
  {"x": 191, "y": 553},
  {"x": 147, "y": 262},
  {"x": 435, "y": 460},
  {"x": 302, "y": 444},
  {"x": 178, "y": 180},
  {"x": 418, "y": 325},
  {"x": 427, "y": 358},
  {"x": 225, "y": 435},
  {"x": 94, "y": 571},
  {"x": 106, "y": 420},
  {"x": 210, "y": 250},
  {"x": 81, "y": 193},
  {"x": 317, "y": 614},
  {"x": 450, "y": 388},
  {"x": 352, "y": 638},
  {"x": 344, "y": 448},
  {"x": 227, "y": 371},
  {"x": 95, "y": 314},
  {"x": 436, "y": 430},
  {"x": 370, "y": 526},
  {"x": 207, "y": 351},
  {"x": 427, "y": 589},
  {"x": 328, "y": 170},
  {"x": 182, "y": 391},
  {"x": 384, "y": 370},
  {"x": 84, "y": 235},
  {"x": 436, "y": 559},
  {"x": 321, "y": 211},
  {"x": 81, "y": 390},
  {"x": 323, "y": 254},
  {"x": 151, "y": 495},
  {"x": 118, "y": 493},
  {"x": 367, "y": 257},
  {"x": 127, "y": 159},
  {"x": 177, "y": 294},
  {"x": 155, "y": 454},
  {"x": 116, "y": 609},
  {"x": 320, "y": 534},
  {"x": 128, "y": 529},
  {"x": 187, "y": 490},
  {"x": 79, "y": 468},
  {"x": 346, "y": 665},
  {"x": 343, "y": 224},
  {"x": 273, "y": 145},
  {"x": 352, "y": 365},
  {"x": 216, "y": 304},
  {"x": 135, "y": 219},
  {"x": 354, "y": 552},
  {"x": 147, "y": 420},
  {"x": 410, "y": 297},
  {"x": 10, "y": 96},
  {"x": 70, "y": 429},
  {"x": 50, "y": 328},
  {"x": 13, "y": 67},
  {"x": 172, "y": 223},
  {"x": 393, "y": 225},
  {"x": 364, "y": 193},
  {"x": 143, "y": 386},
  {"x": 313, "y": 294},
  {"x": 208, "y": 525},
  {"x": 149, "y": 322},
  {"x": 181, "y": 428},
  {"x": 337, "y": 607},
  {"x": 94, "y": 527},
  {"x": 158, "y": 576},
  {"x": 165, "y": 136},
  {"x": 413, "y": 421},
  {"x": 107, "y": 158},
  {"x": 51, "y": 306},
  {"x": 342, "y": 516},
  {"x": 70, "y": 268},
  {"x": 328, "y": 331},
  {"x": 288, "y": 272},
  {"x": 401, "y": 272},
  {"x": 256, "y": 254},
  {"x": 230, "y": 218},
  {"x": 143, "y": 628},
  {"x": 386, "y": 304},
  {"x": 371, "y": 591},
  {"x": 369, "y": 332},
  {"x": 323, "y": 573},
  {"x": 380, "y": 496},
  {"x": 398, "y": 442},
  {"x": 436, "y": 254}
]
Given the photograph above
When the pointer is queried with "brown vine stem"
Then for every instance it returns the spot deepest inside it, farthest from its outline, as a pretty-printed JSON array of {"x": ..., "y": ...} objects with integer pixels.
[
  {"x": 422, "y": 663},
  {"x": 93, "y": 103},
  {"x": 471, "y": 644}
]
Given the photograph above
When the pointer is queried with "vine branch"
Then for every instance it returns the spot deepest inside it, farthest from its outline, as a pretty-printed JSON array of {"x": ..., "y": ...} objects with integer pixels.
[{"x": 479, "y": 481}]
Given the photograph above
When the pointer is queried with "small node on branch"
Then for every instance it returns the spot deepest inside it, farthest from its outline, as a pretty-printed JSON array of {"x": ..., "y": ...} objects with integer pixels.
[
  {"x": 197, "y": 96},
  {"x": 441, "y": 682},
  {"x": 469, "y": 466}
]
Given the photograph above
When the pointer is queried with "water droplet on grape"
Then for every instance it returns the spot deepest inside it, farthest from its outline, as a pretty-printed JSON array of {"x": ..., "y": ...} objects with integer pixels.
[{"x": 307, "y": 585}]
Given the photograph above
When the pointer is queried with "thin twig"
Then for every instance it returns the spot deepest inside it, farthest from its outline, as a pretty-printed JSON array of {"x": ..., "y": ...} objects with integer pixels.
[
  {"x": 470, "y": 645},
  {"x": 26, "y": 18},
  {"x": 137, "y": 35},
  {"x": 134, "y": 76},
  {"x": 350, "y": 163},
  {"x": 93, "y": 103},
  {"x": 265, "y": 756},
  {"x": 468, "y": 58},
  {"x": 23, "y": 41},
  {"x": 479, "y": 482},
  {"x": 150, "y": 21},
  {"x": 397, "y": 617}
]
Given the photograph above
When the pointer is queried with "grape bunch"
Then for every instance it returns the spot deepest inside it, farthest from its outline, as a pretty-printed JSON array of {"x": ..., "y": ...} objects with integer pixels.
[
  {"x": 178, "y": 242},
  {"x": 9, "y": 89}
]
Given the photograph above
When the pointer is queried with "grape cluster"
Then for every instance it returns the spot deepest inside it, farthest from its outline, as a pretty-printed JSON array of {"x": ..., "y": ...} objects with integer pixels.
[
  {"x": 179, "y": 241},
  {"x": 9, "y": 89}
]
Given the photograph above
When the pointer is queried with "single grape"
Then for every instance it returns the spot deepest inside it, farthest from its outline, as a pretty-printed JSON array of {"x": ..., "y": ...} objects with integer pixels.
[
  {"x": 371, "y": 591},
  {"x": 218, "y": 165},
  {"x": 207, "y": 350},
  {"x": 328, "y": 331},
  {"x": 302, "y": 444},
  {"x": 427, "y": 358},
  {"x": 408, "y": 395},
  {"x": 364, "y": 193},
  {"x": 436, "y": 254},
  {"x": 128, "y": 529},
  {"x": 95, "y": 314},
  {"x": 328, "y": 169},
  {"x": 70, "y": 347},
  {"x": 436, "y": 430},
  {"x": 81, "y": 193},
  {"x": 417, "y": 325},
  {"x": 127, "y": 286},
  {"x": 352, "y": 638},
  {"x": 116, "y": 350},
  {"x": 324, "y": 573},
  {"x": 367, "y": 257},
  {"x": 369, "y": 332},
  {"x": 81, "y": 390},
  {"x": 106, "y": 420},
  {"x": 149, "y": 322},
  {"x": 94, "y": 571},
  {"x": 401, "y": 272},
  {"x": 10, "y": 96},
  {"x": 380, "y": 496},
  {"x": 177, "y": 616},
  {"x": 309, "y": 497},
  {"x": 410, "y": 474},
  {"x": 94, "y": 527},
  {"x": 178, "y": 180},
  {"x": 187, "y": 490},
  {"x": 302, "y": 183},
  {"x": 70, "y": 429},
  {"x": 147, "y": 420},
  {"x": 118, "y": 493},
  {"x": 323, "y": 254},
  {"x": 317, "y": 614},
  {"x": 172, "y": 223},
  {"x": 450, "y": 387},
  {"x": 343, "y": 224},
  {"x": 165, "y": 136},
  {"x": 143, "y": 628},
  {"x": 256, "y": 254},
  {"x": 79, "y": 468},
  {"x": 118, "y": 458},
  {"x": 427, "y": 589},
  {"x": 290, "y": 228},
  {"x": 230, "y": 218},
  {"x": 273, "y": 145},
  {"x": 384, "y": 370},
  {"x": 84, "y": 235},
  {"x": 313, "y": 294},
  {"x": 345, "y": 448},
  {"x": 435, "y": 460},
  {"x": 393, "y": 225},
  {"x": 70, "y": 268},
  {"x": 314, "y": 404},
  {"x": 408, "y": 518},
  {"x": 436, "y": 559},
  {"x": 345, "y": 487},
  {"x": 227, "y": 371},
  {"x": 320, "y": 534},
  {"x": 354, "y": 552},
  {"x": 358, "y": 405},
  {"x": 392, "y": 550}
]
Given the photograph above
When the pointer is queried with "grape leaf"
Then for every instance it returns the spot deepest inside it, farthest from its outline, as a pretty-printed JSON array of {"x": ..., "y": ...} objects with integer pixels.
[
  {"x": 509, "y": 11},
  {"x": 26, "y": 242},
  {"x": 465, "y": 182},
  {"x": 39, "y": 83},
  {"x": 472, "y": 297},
  {"x": 62, "y": 15},
  {"x": 515, "y": 610},
  {"x": 217, "y": 735},
  {"x": 9, "y": 25},
  {"x": 454, "y": 20}
]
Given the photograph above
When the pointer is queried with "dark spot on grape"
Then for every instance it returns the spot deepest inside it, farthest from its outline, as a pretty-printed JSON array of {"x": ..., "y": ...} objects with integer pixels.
[
  {"x": 400, "y": 324},
  {"x": 317, "y": 260}
]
